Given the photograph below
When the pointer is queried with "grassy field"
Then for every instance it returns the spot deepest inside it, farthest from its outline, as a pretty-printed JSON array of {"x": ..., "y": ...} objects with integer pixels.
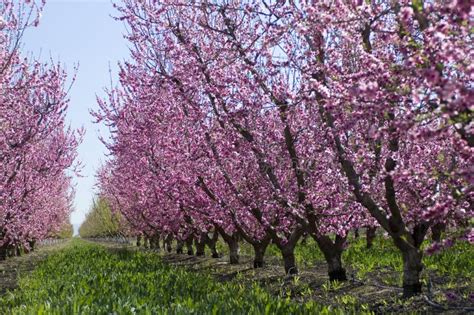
[
  {"x": 90, "y": 279},
  {"x": 86, "y": 278}
]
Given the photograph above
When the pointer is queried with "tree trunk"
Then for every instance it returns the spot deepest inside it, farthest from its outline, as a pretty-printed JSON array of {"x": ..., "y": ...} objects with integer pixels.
[
  {"x": 370, "y": 236},
  {"x": 155, "y": 242},
  {"x": 211, "y": 243},
  {"x": 234, "y": 249},
  {"x": 164, "y": 241},
  {"x": 335, "y": 270},
  {"x": 32, "y": 244},
  {"x": 356, "y": 234},
  {"x": 139, "y": 240},
  {"x": 287, "y": 249},
  {"x": 232, "y": 242},
  {"x": 200, "y": 244},
  {"x": 152, "y": 242},
  {"x": 332, "y": 252},
  {"x": 200, "y": 248},
  {"x": 189, "y": 245},
  {"x": 179, "y": 247},
  {"x": 437, "y": 230},
  {"x": 146, "y": 242},
  {"x": 412, "y": 267},
  {"x": 18, "y": 250},
  {"x": 259, "y": 250},
  {"x": 289, "y": 260},
  {"x": 3, "y": 253},
  {"x": 169, "y": 240},
  {"x": 9, "y": 252},
  {"x": 409, "y": 245}
]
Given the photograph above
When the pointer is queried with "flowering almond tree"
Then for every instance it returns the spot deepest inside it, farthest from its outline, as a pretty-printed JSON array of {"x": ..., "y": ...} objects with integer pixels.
[
  {"x": 396, "y": 108},
  {"x": 270, "y": 119},
  {"x": 244, "y": 123}
]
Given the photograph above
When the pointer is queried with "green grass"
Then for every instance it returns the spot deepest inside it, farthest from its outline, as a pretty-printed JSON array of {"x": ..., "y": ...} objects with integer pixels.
[
  {"x": 454, "y": 262},
  {"x": 89, "y": 279},
  {"x": 85, "y": 278}
]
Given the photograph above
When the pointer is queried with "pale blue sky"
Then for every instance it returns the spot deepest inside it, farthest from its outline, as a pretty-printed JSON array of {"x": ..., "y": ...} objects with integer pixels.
[{"x": 82, "y": 32}]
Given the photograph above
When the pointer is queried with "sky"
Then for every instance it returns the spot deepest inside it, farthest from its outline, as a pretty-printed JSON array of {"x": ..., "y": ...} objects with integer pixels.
[{"x": 82, "y": 32}]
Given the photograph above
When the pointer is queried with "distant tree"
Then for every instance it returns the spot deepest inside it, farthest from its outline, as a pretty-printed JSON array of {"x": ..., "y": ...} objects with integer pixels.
[{"x": 101, "y": 221}]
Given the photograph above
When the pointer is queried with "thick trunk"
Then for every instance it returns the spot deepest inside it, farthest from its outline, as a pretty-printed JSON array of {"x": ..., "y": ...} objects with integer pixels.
[
  {"x": 200, "y": 245},
  {"x": 356, "y": 233},
  {"x": 139, "y": 240},
  {"x": 164, "y": 241},
  {"x": 32, "y": 244},
  {"x": 3, "y": 253},
  {"x": 335, "y": 270},
  {"x": 409, "y": 245},
  {"x": 10, "y": 252},
  {"x": 332, "y": 252},
  {"x": 200, "y": 248},
  {"x": 412, "y": 267},
  {"x": 259, "y": 251},
  {"x": 157, "y": 241},
  {"x": 437, "y": 230},
  {"x": 234, "y": 249},
  {"x": 289, "y": 261},
  {"x": 169, "y": 240},
  {"x": 211, "y": 243},
  {"x": 152, "y": 242},
  {"x": 146, "y": 242},
  {"x": 287, "y": 249},
  {"x": 189, "y": 245},
  {"x": 232, "y": 241},
  {"x": 179, "y": 247},
  {"x": 370, "y": 236}
]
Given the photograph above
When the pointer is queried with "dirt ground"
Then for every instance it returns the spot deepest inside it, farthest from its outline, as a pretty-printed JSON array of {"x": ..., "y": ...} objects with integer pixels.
[
  {"x": 14, "y": 267},
  {"x": 312, "y": 283}
]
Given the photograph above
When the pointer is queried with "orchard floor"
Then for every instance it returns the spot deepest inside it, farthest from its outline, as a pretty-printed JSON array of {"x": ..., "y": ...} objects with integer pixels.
[
  {"x": 13, "y": 268},
  {"x": 374, "y": 282},
  {"x": 373, "y": 286}
]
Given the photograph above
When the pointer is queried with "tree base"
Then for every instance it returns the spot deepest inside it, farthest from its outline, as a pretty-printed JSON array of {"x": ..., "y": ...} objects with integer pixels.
[
  {"x": 338, "y": 275},
  {"x": 291, "y": 271},
  {"x": 258, "y": 264},
  {"x": 410, "y": 290},
  {"x": 216, "y": 255},
  {"x": 234, "y": 260}
]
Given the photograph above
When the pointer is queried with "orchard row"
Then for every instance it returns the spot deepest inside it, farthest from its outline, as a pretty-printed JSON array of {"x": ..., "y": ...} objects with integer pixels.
[
  {"x": 270, "y": 120},
  {"x": 36, "y": 148}
]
